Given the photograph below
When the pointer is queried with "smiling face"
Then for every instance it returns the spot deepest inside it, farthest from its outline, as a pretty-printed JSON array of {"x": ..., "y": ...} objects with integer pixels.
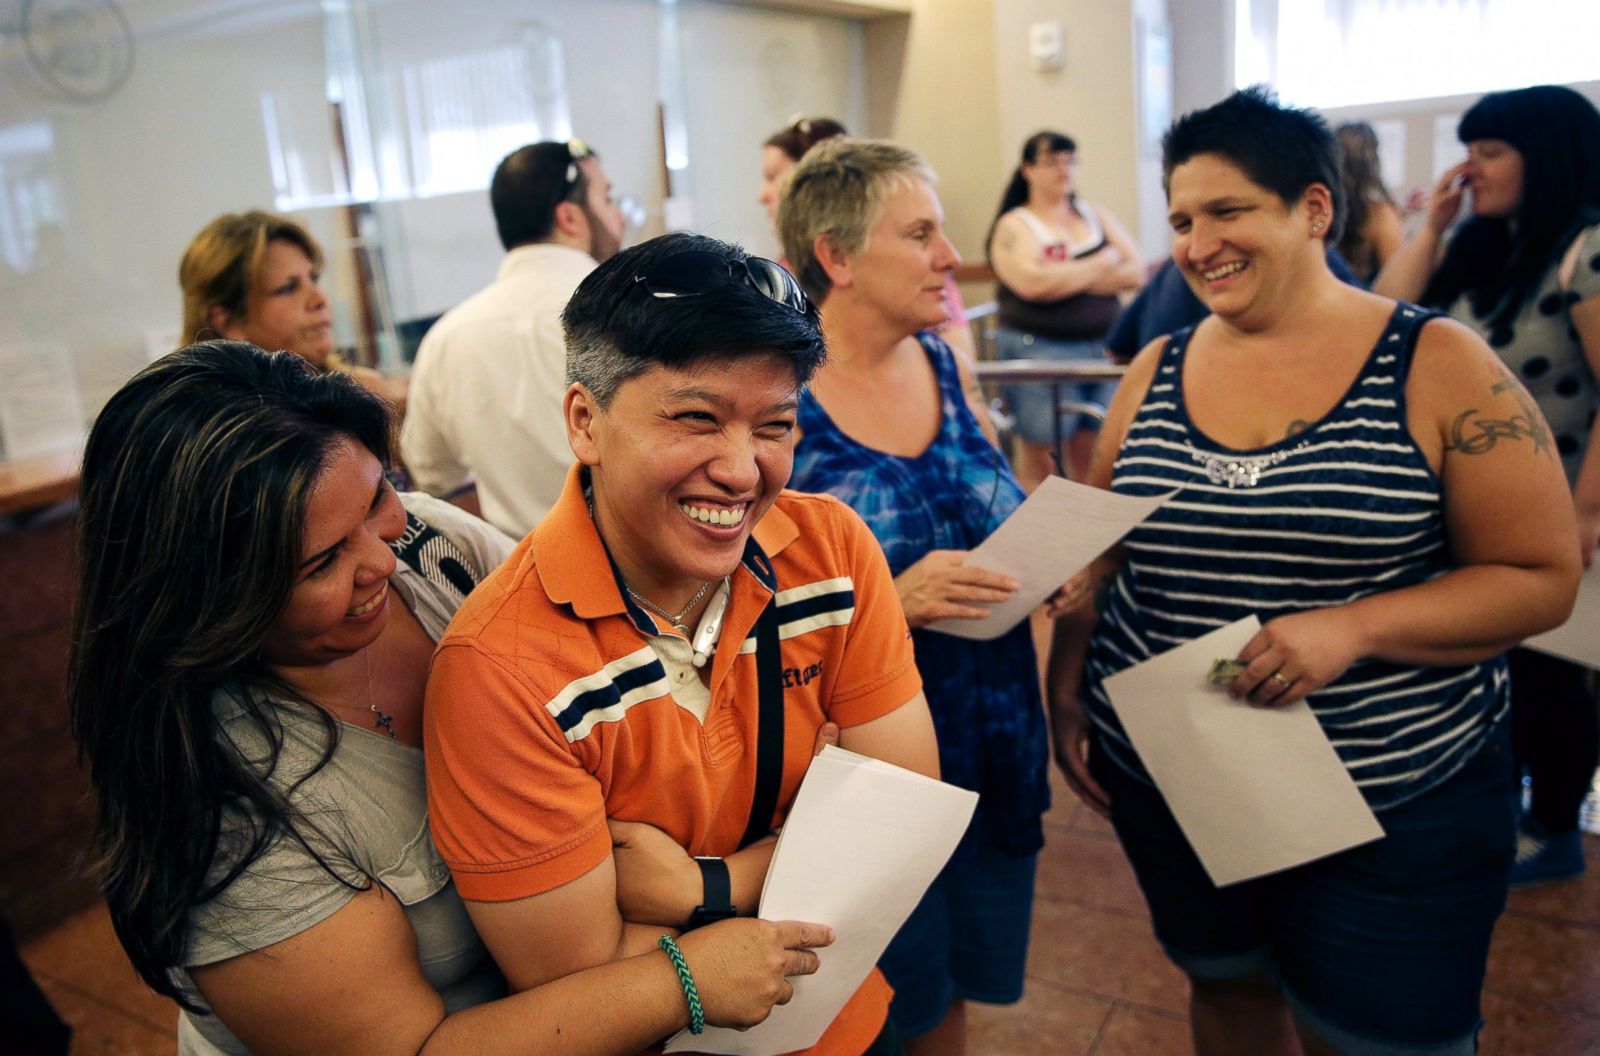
[
  {"x": 1238, "y": 245},
  {"x": 1494, "y": 175},
  {"x": 285, "y": 309},
  {"x": 684, "y": 463},
  {"x": 340, "y": 601},
  {"x": 902, "y": 270},
  {"x": 775, "y": 165}
]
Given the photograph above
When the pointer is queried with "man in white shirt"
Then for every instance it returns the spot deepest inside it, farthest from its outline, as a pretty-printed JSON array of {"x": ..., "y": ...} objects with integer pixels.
[{"x": 490, "y": 377}]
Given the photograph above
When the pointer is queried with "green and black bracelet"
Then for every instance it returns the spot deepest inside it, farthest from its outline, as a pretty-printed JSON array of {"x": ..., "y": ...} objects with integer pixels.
[{"x": 691, "y": 993}]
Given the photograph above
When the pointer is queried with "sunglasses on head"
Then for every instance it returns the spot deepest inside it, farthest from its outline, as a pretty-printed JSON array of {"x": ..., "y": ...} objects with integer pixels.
[
  {"x": 577, "y": 150},
  {"x": 696, "y": 272}
]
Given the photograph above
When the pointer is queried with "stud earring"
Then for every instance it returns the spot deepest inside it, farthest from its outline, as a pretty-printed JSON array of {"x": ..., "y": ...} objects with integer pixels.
[{"x": 1317, "y": 226}]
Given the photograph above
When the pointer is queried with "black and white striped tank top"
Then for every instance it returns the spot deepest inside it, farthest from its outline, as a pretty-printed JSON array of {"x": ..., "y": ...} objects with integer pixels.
[{"x": 1343, "y": 510}]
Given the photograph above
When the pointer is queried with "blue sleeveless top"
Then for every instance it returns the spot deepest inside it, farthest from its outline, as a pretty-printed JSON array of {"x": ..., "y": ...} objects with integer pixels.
[
  {"x": 1346, "y": 509},
  {"x": 984, "y": 696}
]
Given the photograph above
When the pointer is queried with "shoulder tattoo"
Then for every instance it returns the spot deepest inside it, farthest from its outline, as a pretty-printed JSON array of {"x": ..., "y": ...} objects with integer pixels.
[{"x": 1474, "y": 435}]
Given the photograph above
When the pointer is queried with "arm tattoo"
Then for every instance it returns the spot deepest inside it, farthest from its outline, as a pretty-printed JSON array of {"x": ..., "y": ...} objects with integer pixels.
[
  {"x": 1299, "y": 425},
  {"x": 1476, "y": 436}
]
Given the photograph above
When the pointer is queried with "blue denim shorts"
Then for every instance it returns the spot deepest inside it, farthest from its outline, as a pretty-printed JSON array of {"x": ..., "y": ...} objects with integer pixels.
[
  {"x": 1379, "y": 950},
  {"x": 967, "y": 938},
  {"x": 1030, "y": 404}
]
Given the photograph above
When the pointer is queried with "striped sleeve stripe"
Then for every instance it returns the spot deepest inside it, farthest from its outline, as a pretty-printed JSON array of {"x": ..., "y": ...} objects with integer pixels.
[
  {"x": 825, "y": 603},
  {"x": 606, "y": 695}
]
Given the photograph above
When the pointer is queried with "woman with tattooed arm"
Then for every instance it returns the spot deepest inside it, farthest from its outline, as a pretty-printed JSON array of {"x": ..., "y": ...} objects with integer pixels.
[
  {"x": 1523, "y": 270},
  {"x": 1370, "y": 481}
]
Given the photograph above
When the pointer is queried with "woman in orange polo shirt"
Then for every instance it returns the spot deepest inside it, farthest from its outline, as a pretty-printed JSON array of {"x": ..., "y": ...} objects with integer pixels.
[{"x": 256, "y": 615}]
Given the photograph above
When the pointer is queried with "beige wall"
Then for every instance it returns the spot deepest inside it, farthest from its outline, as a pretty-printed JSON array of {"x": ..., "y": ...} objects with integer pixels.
[
  {"x": 1091, "y": 98},
  {"x": 931, "y": 87}
]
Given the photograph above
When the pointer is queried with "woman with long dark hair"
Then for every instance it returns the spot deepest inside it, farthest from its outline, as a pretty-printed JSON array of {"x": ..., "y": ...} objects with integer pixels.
[
  {"x": 1060, "y": 264},
  {"x": 1373, "y": 229},
  {"x": 1524, "y": 271},
  {"x": 256, "y": 615}
]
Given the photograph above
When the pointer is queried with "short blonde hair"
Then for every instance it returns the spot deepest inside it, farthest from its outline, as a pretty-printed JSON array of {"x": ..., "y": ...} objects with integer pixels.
[
  {"x": 839, "y": 190},
  {"x": 223, "y": 263}
]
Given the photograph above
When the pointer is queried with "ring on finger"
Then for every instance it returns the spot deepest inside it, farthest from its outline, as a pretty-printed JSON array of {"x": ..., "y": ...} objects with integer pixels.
[{"x": 1279, "y": 681}]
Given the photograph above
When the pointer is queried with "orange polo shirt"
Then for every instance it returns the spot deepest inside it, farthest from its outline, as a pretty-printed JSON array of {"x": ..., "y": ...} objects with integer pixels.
[{"x": 548, "y": 711}]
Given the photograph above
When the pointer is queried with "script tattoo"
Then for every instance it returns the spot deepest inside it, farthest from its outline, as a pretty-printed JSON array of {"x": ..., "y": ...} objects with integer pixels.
[
  {"x": 1299, "y": 425},
  {"x": 1476, "y": 436}
]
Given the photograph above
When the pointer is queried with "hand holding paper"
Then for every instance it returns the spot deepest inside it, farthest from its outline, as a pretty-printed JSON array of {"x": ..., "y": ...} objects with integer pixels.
[
  {"x": 1054, "y": 534},
  {"x": 1256, "y": 790},
  {"x": 860, "y": 847}
]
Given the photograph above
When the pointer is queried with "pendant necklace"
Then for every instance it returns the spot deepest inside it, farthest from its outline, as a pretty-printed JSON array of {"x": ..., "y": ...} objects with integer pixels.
[
  {"x": 381, "y": 721},
  {"x": 676, "y": 620}
]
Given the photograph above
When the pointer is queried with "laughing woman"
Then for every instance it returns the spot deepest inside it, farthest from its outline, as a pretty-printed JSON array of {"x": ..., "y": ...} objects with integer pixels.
[
  {"x": 257, "y": 612},
  {"x": 1330, "y": 488}
]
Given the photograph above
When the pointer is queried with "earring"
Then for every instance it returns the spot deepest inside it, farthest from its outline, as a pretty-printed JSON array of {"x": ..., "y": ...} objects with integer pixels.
[{"x": 1317, "y": 226}]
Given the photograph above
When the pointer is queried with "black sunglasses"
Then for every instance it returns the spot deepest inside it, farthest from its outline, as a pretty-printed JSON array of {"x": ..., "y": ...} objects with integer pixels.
[{"x": 696, "y": 272}]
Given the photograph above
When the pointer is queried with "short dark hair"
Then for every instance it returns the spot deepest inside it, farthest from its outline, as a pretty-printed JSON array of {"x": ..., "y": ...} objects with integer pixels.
[
  {"x": 1284, "y": 149},
  {"x": 528, "y": 184},
  {"x": 1557, "y": 132},
  {"x": 616, "y": 330}
]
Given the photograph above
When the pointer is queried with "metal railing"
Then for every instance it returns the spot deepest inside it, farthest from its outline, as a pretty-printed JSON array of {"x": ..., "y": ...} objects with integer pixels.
[{"x": 1055, "y": 374}]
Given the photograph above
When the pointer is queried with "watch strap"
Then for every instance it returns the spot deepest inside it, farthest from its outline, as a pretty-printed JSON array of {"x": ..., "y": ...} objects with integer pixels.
[{"x": 716, "y": 901}]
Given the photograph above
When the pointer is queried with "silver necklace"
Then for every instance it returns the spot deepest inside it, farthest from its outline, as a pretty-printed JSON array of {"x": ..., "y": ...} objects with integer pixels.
[
  {"x": 380, "y": 720},
  {"x": 1239, "y": 471},
  {"x": 676, "y": 620}
]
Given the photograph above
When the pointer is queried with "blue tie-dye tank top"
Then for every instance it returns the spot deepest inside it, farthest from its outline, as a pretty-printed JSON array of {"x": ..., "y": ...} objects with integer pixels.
[{"x": 984, "y": 696}]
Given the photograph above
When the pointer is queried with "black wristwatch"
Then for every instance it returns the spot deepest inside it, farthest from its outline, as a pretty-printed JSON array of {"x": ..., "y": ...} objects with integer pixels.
[{"x": 716, "y": 903}]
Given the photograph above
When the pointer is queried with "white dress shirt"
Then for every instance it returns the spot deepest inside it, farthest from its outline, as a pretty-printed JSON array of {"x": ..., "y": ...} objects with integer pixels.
[{"x": 487, "y": 389}]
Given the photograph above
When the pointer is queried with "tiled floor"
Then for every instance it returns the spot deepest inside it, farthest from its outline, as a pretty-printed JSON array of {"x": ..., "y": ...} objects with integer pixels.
[{"x": 1098, "y": 984}]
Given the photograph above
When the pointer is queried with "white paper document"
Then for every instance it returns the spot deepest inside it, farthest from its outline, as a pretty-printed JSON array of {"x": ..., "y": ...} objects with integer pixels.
[
  {"x": 860, "y": 847},
  {"x": 41, "y": 410},
  {"x": 1578, "y": 639},
  {"x": 1052, "y": 536},
  {"x": 1255, "y": 790}
]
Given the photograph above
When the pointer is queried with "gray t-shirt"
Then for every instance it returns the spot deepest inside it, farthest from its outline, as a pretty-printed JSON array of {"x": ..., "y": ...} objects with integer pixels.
[
  {"x": 365, "y": 813},
  {"x": 1542, "y": 348}
]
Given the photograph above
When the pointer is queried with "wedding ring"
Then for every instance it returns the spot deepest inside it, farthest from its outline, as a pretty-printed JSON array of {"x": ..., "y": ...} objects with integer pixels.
[{"x": 1279, "y": 681}]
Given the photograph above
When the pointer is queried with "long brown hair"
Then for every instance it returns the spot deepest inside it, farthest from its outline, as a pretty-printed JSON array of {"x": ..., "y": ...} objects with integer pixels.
[
  {"x": 223, "y": 263},
  {"x": 193, "y": 496},
  {"x": 1362, "y": 174}
]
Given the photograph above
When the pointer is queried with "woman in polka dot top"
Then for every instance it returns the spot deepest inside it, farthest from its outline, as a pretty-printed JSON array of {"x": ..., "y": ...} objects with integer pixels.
[{"x": 1524, "y": 271}]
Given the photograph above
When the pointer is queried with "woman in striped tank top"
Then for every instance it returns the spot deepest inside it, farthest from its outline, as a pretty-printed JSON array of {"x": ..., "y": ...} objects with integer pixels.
[{"x": 1372, "y": 484}]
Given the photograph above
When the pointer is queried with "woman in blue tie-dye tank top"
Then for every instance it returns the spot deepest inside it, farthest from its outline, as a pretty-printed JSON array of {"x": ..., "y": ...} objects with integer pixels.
[{"x": 888, "y": 426}]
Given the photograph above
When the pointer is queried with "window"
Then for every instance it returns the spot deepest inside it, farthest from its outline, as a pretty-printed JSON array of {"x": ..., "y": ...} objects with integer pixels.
[{"x": 1329, "y": 53}]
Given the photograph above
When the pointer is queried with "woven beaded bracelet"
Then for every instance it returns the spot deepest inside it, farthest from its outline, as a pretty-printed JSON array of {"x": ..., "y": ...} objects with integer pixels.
[{"x": 691, "y": 993}]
